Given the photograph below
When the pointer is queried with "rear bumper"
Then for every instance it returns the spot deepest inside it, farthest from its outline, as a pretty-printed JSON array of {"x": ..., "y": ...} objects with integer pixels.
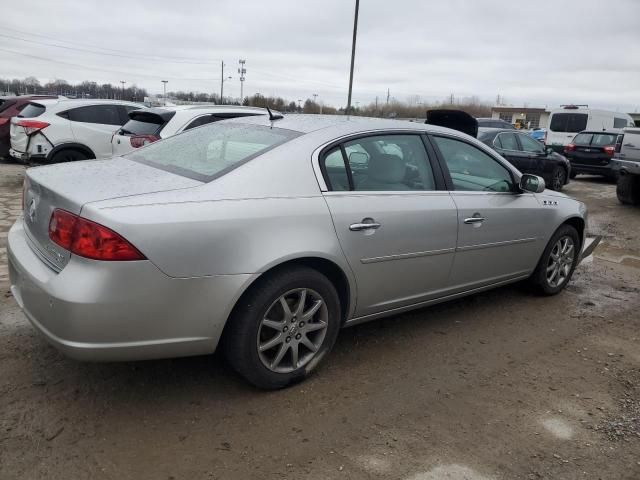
[
  {"x": 114, "y": 311},
  {"x": 577, "y": 167},
  {"x": 20, "y": 156}
]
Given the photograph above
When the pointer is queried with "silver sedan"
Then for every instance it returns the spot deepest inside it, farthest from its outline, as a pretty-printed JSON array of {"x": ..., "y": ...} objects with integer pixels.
[{"x": 264, "y": 236}]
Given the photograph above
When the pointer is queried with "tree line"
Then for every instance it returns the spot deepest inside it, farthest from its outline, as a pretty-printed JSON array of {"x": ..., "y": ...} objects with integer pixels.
[
  {"x": 412, "y": 107},
  {"x": 88, "y": 89}
]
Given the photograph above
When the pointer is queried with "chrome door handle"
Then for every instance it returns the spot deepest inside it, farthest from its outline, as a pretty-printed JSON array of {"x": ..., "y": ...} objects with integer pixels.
[
  {"x": 473, "y": 220},
  {"x": 356, "y": 227}
]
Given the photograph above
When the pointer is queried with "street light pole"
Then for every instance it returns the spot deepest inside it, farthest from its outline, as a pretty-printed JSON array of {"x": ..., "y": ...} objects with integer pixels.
[
  {"x": 122, "y": 82},
  {"x": 353, "y": 54},
  {"x": 221, "y": 82},
  {"x": 165, "y": 91}
]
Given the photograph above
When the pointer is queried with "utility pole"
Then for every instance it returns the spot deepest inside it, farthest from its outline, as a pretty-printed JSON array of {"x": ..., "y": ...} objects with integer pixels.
[
  {"x": 353, "y": 54},
  {"x": 165, "y": 90},
  {"x": 451, "y": 99},
  {"x": 221, "y": 82},
  {"x": 122, "y": 82},
  {"x": 388, "y": 95},
  {"x": 242, "y": 71}
]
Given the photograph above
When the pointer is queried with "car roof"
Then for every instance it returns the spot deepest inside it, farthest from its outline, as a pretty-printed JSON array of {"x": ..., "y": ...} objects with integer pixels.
[
  {"x": 212, "y": 107},
  {"x": 337, "y": 125},
  {"x": 613, "y": 131},
  {"x": 60, "y": 103}
]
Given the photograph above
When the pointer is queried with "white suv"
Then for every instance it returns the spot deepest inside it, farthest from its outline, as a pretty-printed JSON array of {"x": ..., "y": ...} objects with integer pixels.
[
  {"x": 146, "y": 126},
  {"x": 63, "y": 130}
]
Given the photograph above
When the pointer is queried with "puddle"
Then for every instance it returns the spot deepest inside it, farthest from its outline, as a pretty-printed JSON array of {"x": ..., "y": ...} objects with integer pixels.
[
  {"x": 377, "y": 465},
  {"x": 450, "y": 472},
  {"x": 558, "y": 427},
  {"x": 609, "y": 253}
]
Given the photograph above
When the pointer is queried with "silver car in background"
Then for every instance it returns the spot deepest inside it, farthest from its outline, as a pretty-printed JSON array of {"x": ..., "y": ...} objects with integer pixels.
[{"x": 265, "y": 235}]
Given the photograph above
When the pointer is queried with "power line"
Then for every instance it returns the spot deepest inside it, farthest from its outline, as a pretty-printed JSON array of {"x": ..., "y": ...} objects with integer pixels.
[
  {"x": 123, "y": 52},
  {"x": 76, "y": 65},
  {"x": 86, "y": 50}
]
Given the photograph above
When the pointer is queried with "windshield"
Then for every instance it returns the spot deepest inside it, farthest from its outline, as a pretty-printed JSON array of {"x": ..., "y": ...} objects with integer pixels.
[
  {"x": 568, "y": 122},
  {"x": 209, "y": 152}
]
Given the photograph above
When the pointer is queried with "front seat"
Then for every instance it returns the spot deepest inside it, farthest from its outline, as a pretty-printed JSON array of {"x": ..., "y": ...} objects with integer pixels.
[{"x": 384, "y": 172}]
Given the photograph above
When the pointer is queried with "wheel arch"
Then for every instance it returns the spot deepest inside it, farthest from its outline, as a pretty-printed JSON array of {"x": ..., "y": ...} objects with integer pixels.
[
  {"x": 577, "y": 223},
  {"x": 70, "y": 146},
  {"x": 337, "y": 275}
]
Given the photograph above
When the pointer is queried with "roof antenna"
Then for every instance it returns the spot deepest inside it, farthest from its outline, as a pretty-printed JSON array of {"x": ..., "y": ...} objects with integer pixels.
[{"x": 272, "y": 116}]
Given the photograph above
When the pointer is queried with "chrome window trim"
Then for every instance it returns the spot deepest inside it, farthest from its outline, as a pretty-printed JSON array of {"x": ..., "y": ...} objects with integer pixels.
[{"x": 315, "y": 156}]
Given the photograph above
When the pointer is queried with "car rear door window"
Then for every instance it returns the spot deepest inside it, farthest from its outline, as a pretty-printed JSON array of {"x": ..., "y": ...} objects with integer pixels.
[
  {"x": 508, "y": 141},
  {"x": 389, "y": 163},
  {"x": 529, "y": 144},
  {"x": 568, "y": 122},
  {"x": 583, "y": 139},
  {"x": 335, "y": 170},
  {"x": 101, "y": 114},
  {"x": 471, "y": 169}
]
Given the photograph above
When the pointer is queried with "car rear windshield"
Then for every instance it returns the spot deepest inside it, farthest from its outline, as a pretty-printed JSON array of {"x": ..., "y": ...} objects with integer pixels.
[
  {"x": 595, "y": 139},
  {"x": 211, "y": 151},
  {"x": 32, "y": 110},
  {"x": 137, "y": 127},
  {"x": 568, "y": 122}
]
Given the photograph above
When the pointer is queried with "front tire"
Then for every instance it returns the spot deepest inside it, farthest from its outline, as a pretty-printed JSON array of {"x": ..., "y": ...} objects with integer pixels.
[
  {"x": 283, "y": 327},
  {"x": 558, "y": 261},
  {"x": 558, "y": 178}
]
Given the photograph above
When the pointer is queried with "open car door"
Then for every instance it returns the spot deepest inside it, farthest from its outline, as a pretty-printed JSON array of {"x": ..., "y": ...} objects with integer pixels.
[{"x": 454, "y": 119}]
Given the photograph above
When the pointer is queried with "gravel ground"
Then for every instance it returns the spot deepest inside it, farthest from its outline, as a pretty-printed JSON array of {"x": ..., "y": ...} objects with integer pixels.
[{"x": 501, "y": 385}]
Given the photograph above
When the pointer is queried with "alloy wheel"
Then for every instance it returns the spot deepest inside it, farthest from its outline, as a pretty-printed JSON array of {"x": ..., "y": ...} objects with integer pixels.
[
  {"x": 560, "y": 261},
  {"x": 558, "y": 179},
  {"x": 292, "y": 331}
]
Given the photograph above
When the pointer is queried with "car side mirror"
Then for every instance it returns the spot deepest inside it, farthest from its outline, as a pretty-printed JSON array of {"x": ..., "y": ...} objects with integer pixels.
[{"x": 532, "y": 183}]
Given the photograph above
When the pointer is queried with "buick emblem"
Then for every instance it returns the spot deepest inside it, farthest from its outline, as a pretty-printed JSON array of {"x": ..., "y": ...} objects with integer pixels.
[{"x": 32, "y": 210}]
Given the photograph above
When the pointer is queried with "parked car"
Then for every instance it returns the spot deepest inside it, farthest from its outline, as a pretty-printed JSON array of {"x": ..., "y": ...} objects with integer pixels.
[
  {"x": 55, "y": 131},
  {"x": 538, "y": 134},
  {"x": 591, "y": 152},
  {"x": 566, "y": 122},
  {"x": 494, "y": 123},
  {"x": 10, "y": 107},
  {"x": 529, "y": 156},
  {"x": 626, "y": 164},
  {"x": 147, "y": 126},
  {"x": 264, "y": 235}
]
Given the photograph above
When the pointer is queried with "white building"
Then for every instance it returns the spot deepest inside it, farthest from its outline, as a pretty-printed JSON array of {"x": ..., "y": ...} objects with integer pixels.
[{"x": 522, "y": 117}]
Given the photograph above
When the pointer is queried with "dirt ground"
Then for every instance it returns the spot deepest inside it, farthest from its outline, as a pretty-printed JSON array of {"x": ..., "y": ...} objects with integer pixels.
[{"x": 501, "y": 385}]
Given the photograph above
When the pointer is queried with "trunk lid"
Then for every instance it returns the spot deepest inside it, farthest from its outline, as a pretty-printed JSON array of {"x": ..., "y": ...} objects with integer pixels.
[{"x": 70, "y": 186}]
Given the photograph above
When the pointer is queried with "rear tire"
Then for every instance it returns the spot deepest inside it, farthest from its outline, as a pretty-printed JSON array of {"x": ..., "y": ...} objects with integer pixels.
[
  {"x": 558, "y": 261},
  {"x": 277, "y": 336},
  {"x": 68, "y": 155},
  {"x": 558, "y": 178},
  {"x": 628, "y": 189},
  {"x": 573, "y": 175}
]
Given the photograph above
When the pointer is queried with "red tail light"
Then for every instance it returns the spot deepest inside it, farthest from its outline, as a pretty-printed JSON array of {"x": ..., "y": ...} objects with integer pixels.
[
  {"x": 138, "y": 141},
  {"x": 32, "y": 126},
  {"x": 89, "y": 239},
  {"x": 609, "y": 150},
  {"x": 570, "y": 148}
]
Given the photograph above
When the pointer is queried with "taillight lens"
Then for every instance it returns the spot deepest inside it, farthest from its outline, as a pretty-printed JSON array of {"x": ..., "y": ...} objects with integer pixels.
[
  {"x": 570, "y": 148},
  {"x": 88, "y": 239},
  {"x": 138, "y": 141},
  {"x": 32, "y": 126},
  {"x": 609, "y": 150}
]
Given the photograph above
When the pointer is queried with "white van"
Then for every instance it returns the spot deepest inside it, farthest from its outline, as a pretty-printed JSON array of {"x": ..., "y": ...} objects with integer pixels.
[{"x": 566, "y": 122}]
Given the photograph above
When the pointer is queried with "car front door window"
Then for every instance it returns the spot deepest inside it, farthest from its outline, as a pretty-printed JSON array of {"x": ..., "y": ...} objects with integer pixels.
[
  {"x": 530, "y": 145},
  {"x": 471, "y": 169}
]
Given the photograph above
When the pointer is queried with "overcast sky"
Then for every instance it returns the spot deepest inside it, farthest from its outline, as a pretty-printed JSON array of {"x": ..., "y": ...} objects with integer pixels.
[{"x": 540, "y": 52}]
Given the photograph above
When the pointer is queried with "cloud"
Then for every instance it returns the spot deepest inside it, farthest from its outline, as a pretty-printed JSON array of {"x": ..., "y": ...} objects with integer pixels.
[{"x": 542, "y": 53}]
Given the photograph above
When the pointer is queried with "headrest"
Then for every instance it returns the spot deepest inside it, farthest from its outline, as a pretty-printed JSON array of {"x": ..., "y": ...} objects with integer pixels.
[{"x": 386, "y": 168}]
